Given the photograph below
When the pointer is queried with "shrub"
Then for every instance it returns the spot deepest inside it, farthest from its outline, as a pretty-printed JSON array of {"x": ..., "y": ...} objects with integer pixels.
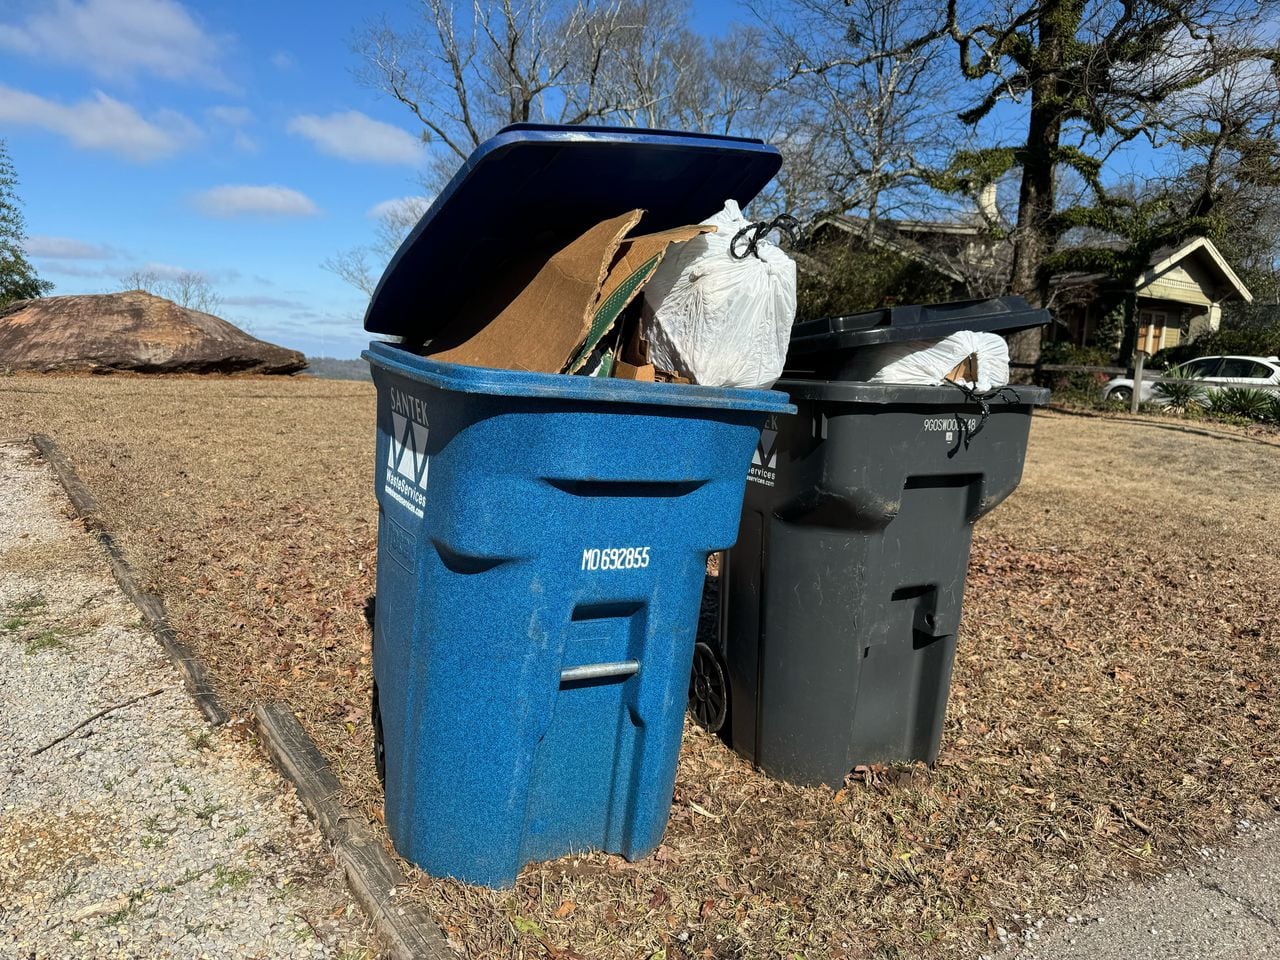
[
  {"x": 1273, "y": 408},
  {"x": 1241, "y": 402},
  {"x": 1172, "y": 356},
  {"x": 858, "y": 279},
  {"x": 1068, "y": 354},
  {"x": 1080, "y": 387},
  {"x": 1180, "y": 392}
]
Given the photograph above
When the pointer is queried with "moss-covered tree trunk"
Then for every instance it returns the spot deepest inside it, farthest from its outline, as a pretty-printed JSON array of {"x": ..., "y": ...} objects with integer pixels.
[{"x": 1057, "y": 25}]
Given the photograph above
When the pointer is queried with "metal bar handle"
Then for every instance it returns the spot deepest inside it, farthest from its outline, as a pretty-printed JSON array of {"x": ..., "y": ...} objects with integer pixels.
[{"x": 597, "y": 671}]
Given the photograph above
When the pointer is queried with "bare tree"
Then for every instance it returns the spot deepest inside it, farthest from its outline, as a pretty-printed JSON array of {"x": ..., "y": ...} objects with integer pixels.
[
  {"x": 860, "y": 113},
  {"x": 1229, "y": 132},
  {"x": 465, "y": 76},
  {"x": 147, "y": 281},
  {"x": 467, "y": 70},
  {"x": 360, "y": 266},
  {"x": 643, "y": 65},
  {"x": 194, "y": 291},
  {"x": 188, "y": 288}
]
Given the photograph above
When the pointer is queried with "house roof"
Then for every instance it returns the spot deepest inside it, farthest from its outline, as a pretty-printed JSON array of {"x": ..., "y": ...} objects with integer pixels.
[
  {"x": 1166, "y": 258},
  {"x": 889, "y": 235},
  {"x": 896, "y": 235}
]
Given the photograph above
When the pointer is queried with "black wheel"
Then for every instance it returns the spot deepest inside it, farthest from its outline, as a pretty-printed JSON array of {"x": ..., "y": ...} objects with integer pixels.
[
  {"x": 708, "y": 689},
  {"x": 1120, "y": 395},
  {"x": 379, "y": 752}
]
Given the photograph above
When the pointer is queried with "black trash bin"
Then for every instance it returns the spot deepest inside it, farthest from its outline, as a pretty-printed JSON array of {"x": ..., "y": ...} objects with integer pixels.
[{"x": 840, "y": 604}]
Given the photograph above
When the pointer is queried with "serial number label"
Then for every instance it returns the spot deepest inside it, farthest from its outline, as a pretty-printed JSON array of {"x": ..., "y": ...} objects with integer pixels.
[
  {"x": 615, "y": 558},
  {"x": 947, "y": 424}
]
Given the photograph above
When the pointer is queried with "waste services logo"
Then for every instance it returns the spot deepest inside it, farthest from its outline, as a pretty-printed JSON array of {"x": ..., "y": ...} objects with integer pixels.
[
  {"x": 406, "y": 480},
  {"x": 764, "y": 462}
]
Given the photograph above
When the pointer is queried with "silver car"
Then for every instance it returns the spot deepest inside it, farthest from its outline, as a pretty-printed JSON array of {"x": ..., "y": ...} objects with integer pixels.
[{"x": 1262, "y": 373}]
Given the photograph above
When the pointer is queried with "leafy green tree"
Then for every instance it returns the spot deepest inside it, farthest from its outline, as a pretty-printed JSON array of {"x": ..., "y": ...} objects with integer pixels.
[
  {"x": 18, "y": 278},
  {"x": 1092, "y": 75},
  {"x": 1226, "y": 187}
]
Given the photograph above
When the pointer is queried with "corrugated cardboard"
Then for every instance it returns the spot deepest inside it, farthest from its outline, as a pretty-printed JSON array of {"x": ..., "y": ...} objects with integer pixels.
[
  {"x": 966, "y": 370},
  {"x": 630, "y": 371},
  {"x": 546, "y": 301},
  {"x": 635, "y": 262},
  {"x": 545, "y": 311}
]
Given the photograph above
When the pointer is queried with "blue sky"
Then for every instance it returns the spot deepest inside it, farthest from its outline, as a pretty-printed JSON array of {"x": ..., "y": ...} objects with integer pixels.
[{"x": 226, "y": 138}]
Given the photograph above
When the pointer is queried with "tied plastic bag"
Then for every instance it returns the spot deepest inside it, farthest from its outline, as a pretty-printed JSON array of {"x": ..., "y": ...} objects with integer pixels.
[
  {"x": 719, "y": 320},
  {"x": 928, "y": 362}
]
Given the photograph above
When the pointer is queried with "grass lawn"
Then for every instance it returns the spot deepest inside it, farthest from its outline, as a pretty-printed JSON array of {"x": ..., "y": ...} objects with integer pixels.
[{"x": 1115, "y": 698}]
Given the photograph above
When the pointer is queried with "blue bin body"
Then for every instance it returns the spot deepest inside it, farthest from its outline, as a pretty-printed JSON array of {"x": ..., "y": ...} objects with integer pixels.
[{"x": 529, "y": 525}]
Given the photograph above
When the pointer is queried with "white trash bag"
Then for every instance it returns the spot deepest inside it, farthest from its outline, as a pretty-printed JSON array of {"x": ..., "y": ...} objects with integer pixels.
[
  {"x": 719, "y": 320},
  {"x": 927, "y": 362}
]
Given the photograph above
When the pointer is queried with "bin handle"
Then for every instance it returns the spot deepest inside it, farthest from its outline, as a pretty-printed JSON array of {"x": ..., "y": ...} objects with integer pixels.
[{"x": 598, "y": 671}]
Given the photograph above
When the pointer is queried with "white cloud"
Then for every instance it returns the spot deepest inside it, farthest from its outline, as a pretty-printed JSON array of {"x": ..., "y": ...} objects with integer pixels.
[
  {"x": 66, "y": 248},
  {"x": 167, "y": 271},
  {"x": 102, "y": 123},
  {"x": 239, "y": 200},
  {"x": 118, "y": 39},
  {"x": 283, "y": 60},
  {"x": 400, "y": 209},
  {"x": 74, "y": 268},
  {"x": 230, "y": 116},
  {"x": 262, "y": 300},
  {"x": 354, "y": 136},
  {"x": 234, "y": 120}
]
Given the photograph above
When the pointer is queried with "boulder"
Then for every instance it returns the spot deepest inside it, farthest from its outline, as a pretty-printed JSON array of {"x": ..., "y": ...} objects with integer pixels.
[{"x": 131, "y": 331}]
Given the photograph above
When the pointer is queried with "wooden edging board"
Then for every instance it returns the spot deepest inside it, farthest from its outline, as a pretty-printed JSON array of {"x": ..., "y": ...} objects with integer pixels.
[
  {"x": 375, "y": 878},
  {"x": 194, "y": 675},
  {"x": 372, "y": 875}
]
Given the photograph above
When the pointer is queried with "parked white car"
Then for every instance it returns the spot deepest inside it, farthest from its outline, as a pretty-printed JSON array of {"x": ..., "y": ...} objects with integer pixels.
[{"x": 1262, "y": 373}]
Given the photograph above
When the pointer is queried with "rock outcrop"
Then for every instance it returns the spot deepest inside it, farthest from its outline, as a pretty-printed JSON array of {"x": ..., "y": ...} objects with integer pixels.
[{"x": 131, "y": 331}]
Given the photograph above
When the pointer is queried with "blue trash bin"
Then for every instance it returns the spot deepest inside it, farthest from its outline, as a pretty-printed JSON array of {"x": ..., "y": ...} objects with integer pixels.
[{"x": 542, "y": 543}]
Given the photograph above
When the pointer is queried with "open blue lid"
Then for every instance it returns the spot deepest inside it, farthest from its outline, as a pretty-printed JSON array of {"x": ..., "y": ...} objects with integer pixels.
[{"x": 544, "y": 185}]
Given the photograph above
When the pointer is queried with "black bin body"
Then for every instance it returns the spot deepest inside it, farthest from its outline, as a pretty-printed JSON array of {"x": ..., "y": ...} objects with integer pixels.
[{"x": 841, "y": 602}]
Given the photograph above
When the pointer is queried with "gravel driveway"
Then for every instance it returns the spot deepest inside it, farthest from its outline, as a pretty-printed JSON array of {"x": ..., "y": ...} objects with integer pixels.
[{"x": 143, "y": 833}]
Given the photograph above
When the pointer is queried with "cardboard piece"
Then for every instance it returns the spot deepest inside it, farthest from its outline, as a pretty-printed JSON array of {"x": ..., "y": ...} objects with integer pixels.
[
  {"x": 546, "y": 309},
  {"x": 635, "y": 262},
  {"x": 630, "y": 371},
  {"x": 966, "y": 370},
  {"x": 635, "y": 364}
]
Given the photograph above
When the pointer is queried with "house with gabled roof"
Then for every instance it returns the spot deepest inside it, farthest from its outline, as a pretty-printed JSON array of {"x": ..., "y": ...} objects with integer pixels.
[{"x": 1178, "y": 297}]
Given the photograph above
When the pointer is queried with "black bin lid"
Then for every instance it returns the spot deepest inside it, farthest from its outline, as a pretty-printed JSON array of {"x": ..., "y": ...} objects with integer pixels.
[
  {"x": 543, "y": 183},
  {"x": 917, "y": 322}
]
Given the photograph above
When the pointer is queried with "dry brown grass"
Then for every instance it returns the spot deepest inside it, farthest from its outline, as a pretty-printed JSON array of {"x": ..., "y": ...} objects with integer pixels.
[
  {"x": 1115, "y": 697},
  {"x": 40, "y": 556}
]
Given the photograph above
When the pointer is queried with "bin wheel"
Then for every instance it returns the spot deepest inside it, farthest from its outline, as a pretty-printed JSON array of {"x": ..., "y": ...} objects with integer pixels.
[
  {"x": 708, "y": 689},
  {"x": 379, "y": 751}
]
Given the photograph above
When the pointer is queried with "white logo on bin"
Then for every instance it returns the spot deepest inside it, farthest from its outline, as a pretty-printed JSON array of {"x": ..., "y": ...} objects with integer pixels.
[
  {"x": 406, "y": 478},
  {"x": 764, "y": 461},
  {"x": 409, "y": 449}
]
